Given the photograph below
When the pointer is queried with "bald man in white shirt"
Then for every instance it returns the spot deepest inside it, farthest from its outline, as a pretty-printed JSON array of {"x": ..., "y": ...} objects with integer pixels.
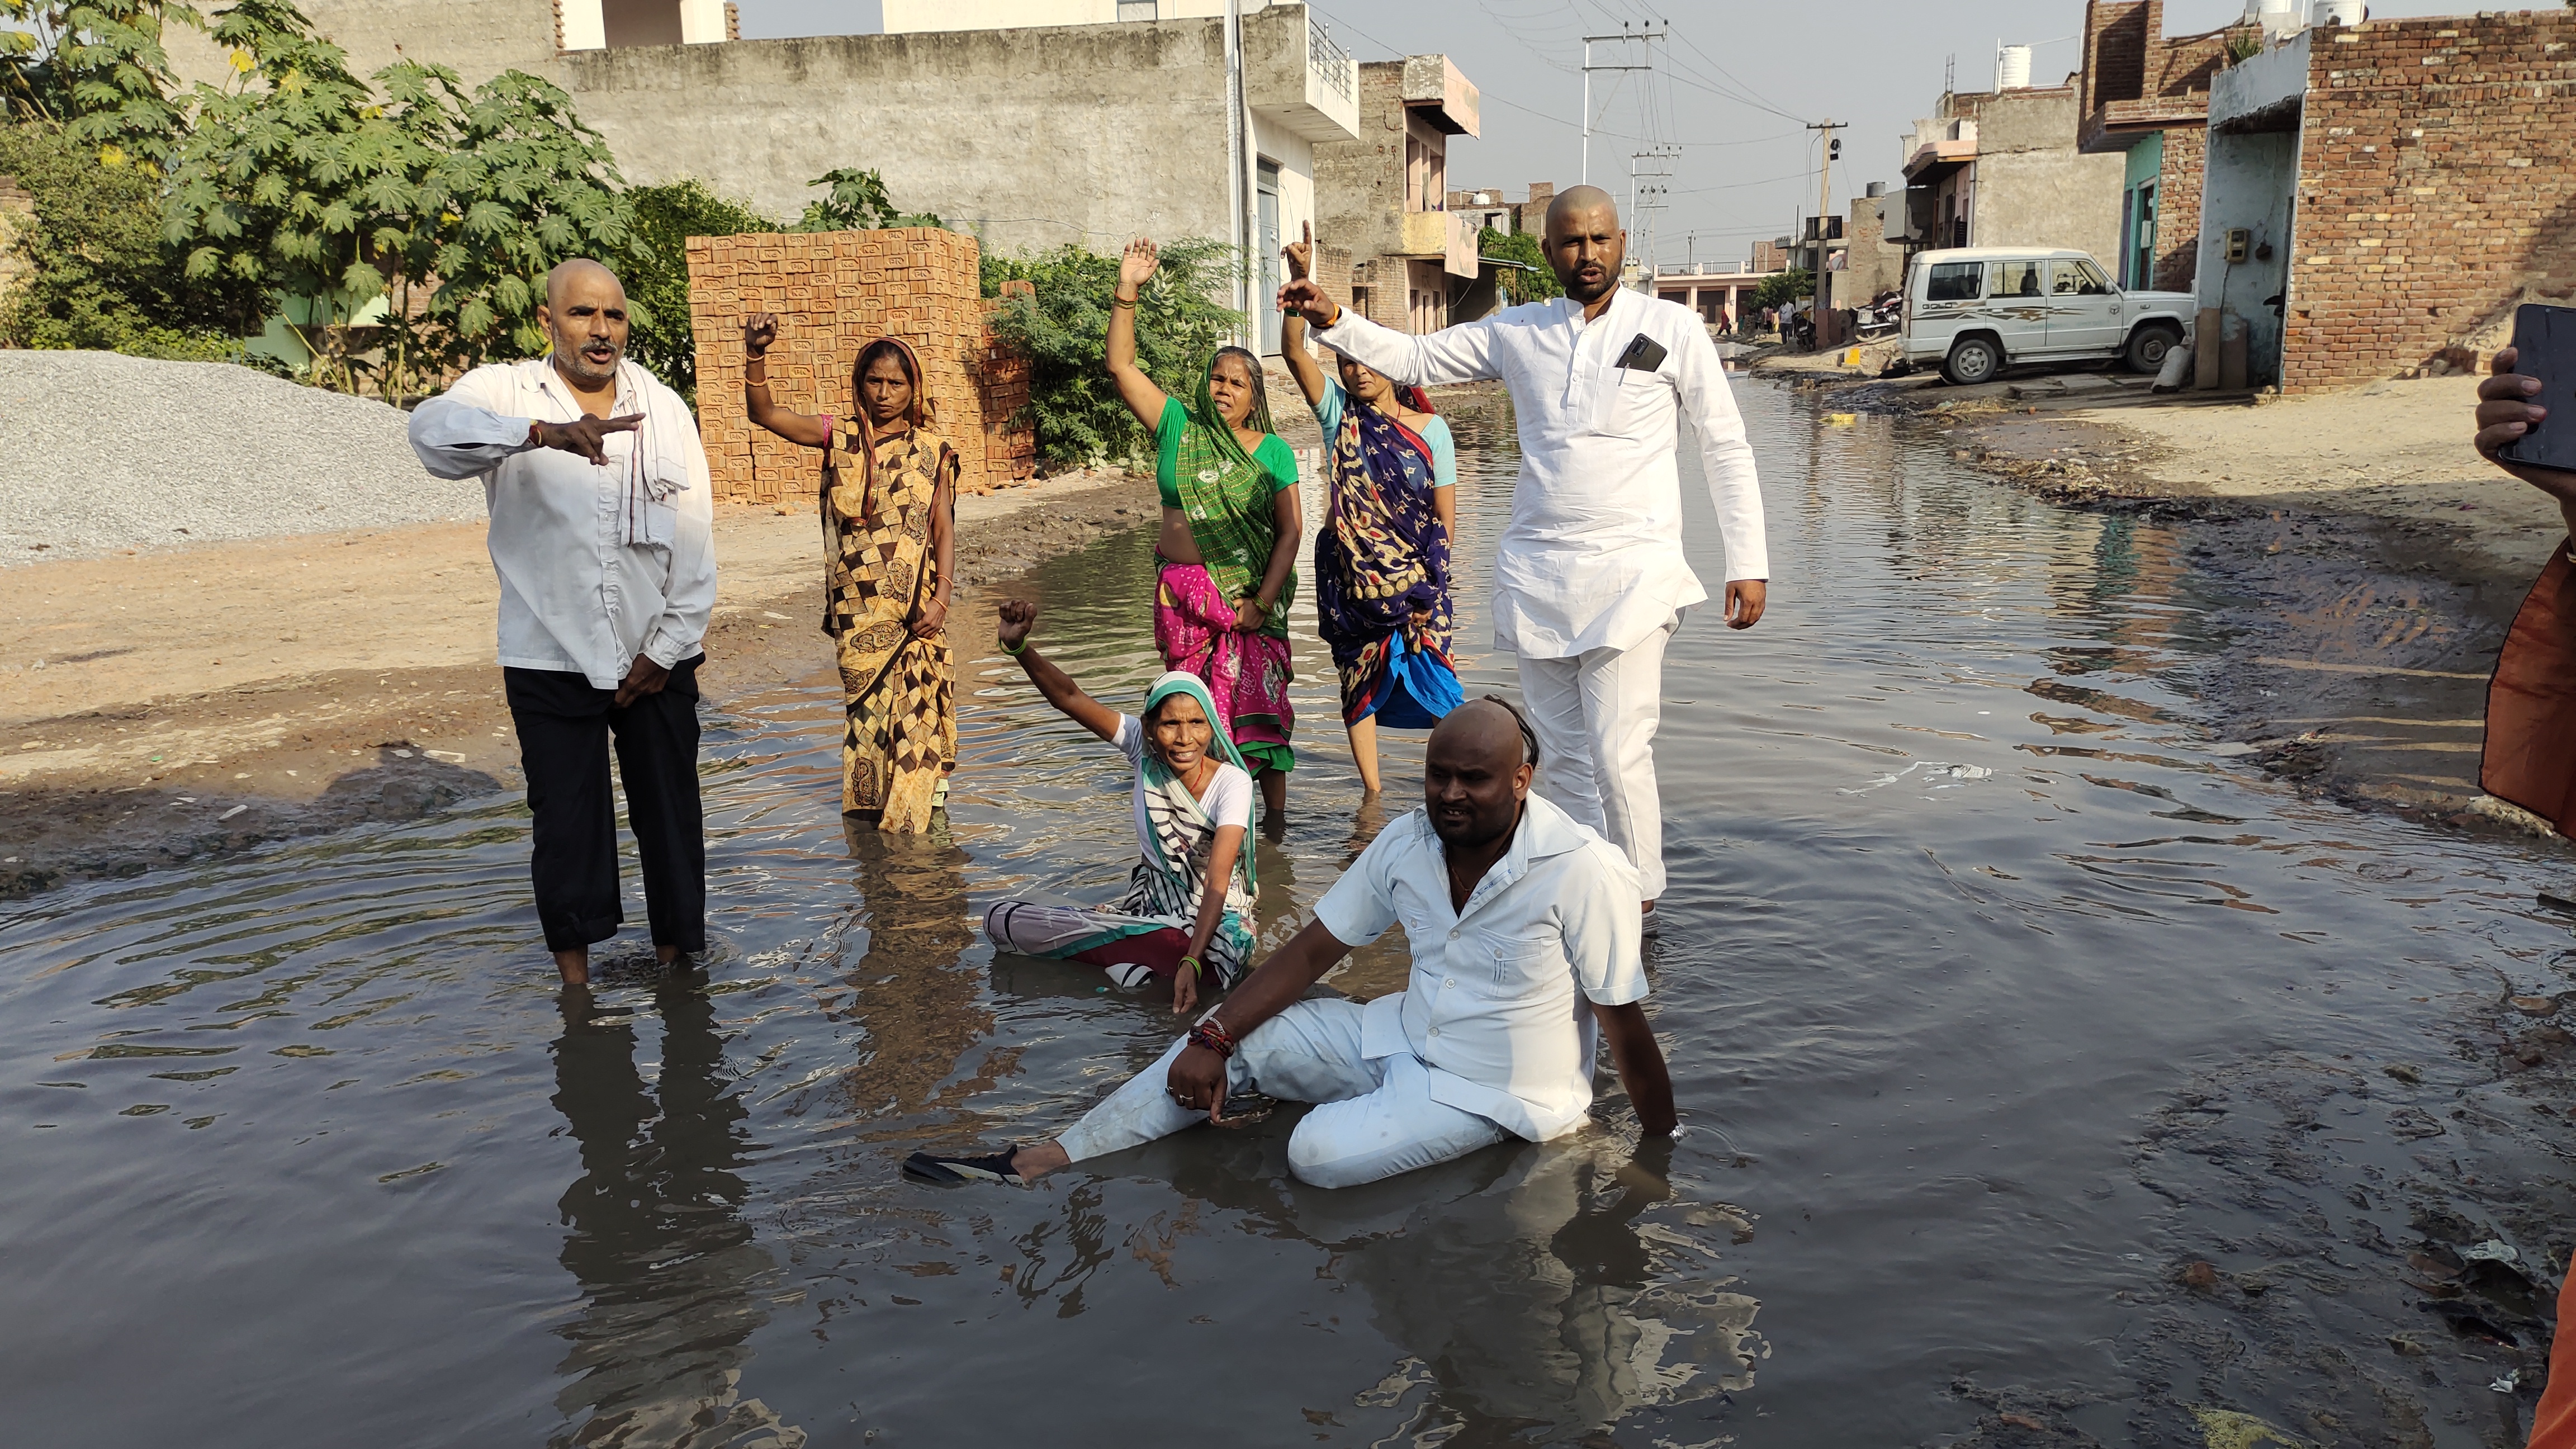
[{"x": 1589, "y": 577}]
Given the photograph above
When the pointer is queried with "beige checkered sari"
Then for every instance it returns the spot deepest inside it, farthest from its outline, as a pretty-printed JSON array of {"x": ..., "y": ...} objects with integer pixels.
[{"x": 900, "y": 692}]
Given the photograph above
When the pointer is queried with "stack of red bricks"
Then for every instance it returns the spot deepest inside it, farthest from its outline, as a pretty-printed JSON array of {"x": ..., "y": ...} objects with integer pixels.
[
  {"x": 2437, "y": 188},
  {"x": 833, "y": 293}
]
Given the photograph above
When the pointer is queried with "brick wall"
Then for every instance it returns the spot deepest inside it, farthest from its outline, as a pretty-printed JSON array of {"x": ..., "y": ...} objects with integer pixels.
[
  {"x": 2178, "y": 208},
  {"x": 17, "y": 218},
  {"x": 834, "y": 293},
  {"x": 2437, "y": 188}
]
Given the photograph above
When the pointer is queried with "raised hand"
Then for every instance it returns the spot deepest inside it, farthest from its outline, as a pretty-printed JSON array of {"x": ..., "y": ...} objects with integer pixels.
[
  {"x": 1137, "y": 266},
  {"x": 1303, "y": 297},
  {"x": 759, "y": 331},
  {"x": 1018, "y": 617},
  {"x": 2505, "y": 415},
  {"x": 1301, "y": 255},
  {"x": 584, "y": 437}
]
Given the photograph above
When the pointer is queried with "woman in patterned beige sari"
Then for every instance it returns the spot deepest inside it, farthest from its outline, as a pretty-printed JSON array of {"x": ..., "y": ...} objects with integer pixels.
[{"x": 889, "y": 506}]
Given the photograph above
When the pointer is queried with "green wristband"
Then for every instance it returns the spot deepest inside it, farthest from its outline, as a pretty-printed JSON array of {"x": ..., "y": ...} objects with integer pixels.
[{"x": 1014, "y": 649}]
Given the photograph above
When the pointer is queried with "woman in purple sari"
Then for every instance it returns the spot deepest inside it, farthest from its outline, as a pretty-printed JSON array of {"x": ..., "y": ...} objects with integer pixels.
[{"x": 1382, "y": 555}]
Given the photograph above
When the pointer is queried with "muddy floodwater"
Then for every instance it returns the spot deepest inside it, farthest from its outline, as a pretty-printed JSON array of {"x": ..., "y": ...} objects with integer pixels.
[{"x": 1998, "y": 994}]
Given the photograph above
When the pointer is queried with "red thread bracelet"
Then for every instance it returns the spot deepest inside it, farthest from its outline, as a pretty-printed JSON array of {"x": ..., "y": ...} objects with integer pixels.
[{"x": 1214, "y": 1037}]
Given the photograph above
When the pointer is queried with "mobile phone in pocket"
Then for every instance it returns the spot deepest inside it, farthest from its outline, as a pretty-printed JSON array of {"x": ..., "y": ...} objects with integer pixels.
[{"x": 2544, "y": 344}]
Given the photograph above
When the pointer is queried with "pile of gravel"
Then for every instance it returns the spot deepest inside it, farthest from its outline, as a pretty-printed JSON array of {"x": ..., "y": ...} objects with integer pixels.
[{"x": 100, "y": 452}]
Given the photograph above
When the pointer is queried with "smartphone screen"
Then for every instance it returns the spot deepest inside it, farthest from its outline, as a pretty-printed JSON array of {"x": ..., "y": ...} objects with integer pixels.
[{"x": 2544, "y": 344}]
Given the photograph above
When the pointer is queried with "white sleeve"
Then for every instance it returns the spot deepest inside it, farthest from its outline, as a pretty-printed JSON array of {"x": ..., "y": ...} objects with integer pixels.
[
  {"x": 689, "y": 596},
  {"x": 458, "y": 434},
  {"x": 1129, "y": 737},
  {"x": 1599, "y": 922},
  {"x": 1229, "y": 800},
  {"x": 1361, "y": 905},
  {"x": 1708, "y": 401},
  {"x": 1464, "y": 353}
]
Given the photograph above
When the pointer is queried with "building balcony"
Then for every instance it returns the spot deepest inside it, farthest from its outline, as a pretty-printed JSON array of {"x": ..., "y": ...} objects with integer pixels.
[
  {"x": 1447, "y": 237},
  {"x": 1435, "y": 91},
  {"x": 1296, "y": 75},
  {"x": 1941, "y": 145}
]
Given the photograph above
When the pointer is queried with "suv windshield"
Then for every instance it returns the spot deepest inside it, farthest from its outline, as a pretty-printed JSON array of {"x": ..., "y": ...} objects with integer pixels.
[{"x": 1952, "y": 282}]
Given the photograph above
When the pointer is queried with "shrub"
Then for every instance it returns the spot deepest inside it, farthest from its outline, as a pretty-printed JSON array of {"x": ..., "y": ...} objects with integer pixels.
[
  {"x": 1784, "y": 287},
  {"x": 656, "y": 272},
  {"x": 1525, "y": 275},
  {"x": 101, "y": 277},
  {"x": 1064, "y": 330}
]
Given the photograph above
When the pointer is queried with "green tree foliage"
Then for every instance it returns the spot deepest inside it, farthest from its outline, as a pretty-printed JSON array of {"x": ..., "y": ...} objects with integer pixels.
[
  {"x": 1526, "y": 276},
  {"x": 857, "y": 201},
  {"x": 1784, "y": 287},
  {"x": 297, "y": 178},
  {"x": 101, "y": 276},
  {"x": 97, "y": 69},
  {"x": 657, "y": 271},
  {"x": 1064, "y": 330}
]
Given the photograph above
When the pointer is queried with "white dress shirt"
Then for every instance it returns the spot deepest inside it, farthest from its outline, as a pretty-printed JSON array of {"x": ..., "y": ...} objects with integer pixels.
[
  {"x": 594, "y": 570},
  {"x": 1499, "y": 1003},
  {"x": 1592, "y": 558}
]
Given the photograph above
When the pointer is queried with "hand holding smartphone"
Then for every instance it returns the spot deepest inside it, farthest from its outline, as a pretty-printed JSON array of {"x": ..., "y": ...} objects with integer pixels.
[{"x": 2527, "y": 411}]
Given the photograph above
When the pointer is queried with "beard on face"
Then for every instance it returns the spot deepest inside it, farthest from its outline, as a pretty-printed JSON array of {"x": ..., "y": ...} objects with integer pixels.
[{"x": 577, "y": 363}]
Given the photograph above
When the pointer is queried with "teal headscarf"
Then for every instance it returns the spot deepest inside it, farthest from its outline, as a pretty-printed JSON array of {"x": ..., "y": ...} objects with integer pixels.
[{"x": 1169, "y": 802}]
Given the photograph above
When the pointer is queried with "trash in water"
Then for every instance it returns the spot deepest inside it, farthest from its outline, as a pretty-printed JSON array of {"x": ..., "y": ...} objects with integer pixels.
[
  {"x": 2493, "y": 1250},
  {"x": 1936, "y": 774},
  {"x": 2533, "y": 1005},
  {"x": 2557, "y": 902},
  {"x": 2512, "y": 1380},
  {"x": 229, "y": 814},
  {"x": 1841, "y": 420},
  {"x": 2408, "y": 1075},
  {"x": 2469, "y": 1323}
]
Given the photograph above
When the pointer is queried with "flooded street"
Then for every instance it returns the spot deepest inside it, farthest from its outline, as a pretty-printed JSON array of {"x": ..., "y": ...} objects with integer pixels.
[{"x": 1996, "y": 993}]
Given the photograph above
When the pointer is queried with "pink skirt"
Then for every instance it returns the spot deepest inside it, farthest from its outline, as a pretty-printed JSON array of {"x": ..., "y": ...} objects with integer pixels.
[{"x": 1247, "y": 672}]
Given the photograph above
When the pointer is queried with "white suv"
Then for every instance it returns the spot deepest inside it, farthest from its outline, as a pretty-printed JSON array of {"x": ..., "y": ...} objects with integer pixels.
[{"x": 1976, "y": 309}]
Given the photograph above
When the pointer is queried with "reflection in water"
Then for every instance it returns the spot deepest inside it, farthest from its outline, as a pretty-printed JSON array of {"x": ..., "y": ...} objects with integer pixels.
[
  {"x": 1532, "y": 1290},
  {"x": 920, "y": 1014},
  {"x": 656, "y": 1239}
]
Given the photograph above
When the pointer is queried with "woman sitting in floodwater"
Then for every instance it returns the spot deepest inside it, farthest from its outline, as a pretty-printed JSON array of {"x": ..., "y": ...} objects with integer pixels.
[
  {"x": 1193, "y": 805},
  {"x": 889, "y": 505},
  {"x": 1226, "y": 559}
]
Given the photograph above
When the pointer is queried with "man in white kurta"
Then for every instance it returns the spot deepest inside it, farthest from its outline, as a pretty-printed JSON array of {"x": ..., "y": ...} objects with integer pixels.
[
  {"x": 602, "y": 535},
  {"x": 1589, "y": 577}
]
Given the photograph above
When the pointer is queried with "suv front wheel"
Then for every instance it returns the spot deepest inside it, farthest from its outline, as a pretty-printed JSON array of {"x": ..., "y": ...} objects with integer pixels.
[
  {"x": 2149, "y": 344},
  {"x": 1973, "y": 360}
]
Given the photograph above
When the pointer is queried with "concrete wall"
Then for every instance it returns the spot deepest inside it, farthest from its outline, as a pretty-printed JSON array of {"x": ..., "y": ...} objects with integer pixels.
[
  {"x": 2436, "y": 190},
  {"x": 916, "y": 15},
  {"x": 2055, "y": 197},
  {"x": 2249, "y": 185},
  {"x": 1027, "y": 138},
  {"x": 478, "y": 39}
]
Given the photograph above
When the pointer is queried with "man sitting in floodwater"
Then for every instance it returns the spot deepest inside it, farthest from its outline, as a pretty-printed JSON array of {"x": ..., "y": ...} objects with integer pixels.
[{"x": 1510, "y": 906}]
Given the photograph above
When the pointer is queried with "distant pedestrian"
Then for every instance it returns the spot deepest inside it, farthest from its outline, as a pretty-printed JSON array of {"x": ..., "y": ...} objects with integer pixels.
[
  {"x": 601, "y": 532},
  {"x": 1225, "y": 562},
  {"x": 889, "y": 506},
  {"x": 1382, "y": 552},
  {"x": 1589, "y": 576}
]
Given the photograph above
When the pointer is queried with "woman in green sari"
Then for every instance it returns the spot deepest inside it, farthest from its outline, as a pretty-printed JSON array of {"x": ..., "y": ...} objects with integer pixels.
[{"x": 1226, "y": 558}]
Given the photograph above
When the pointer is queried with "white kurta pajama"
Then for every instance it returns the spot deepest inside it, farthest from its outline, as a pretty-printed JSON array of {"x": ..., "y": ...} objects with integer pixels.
[
  {"x": 1589, "y": 576},
  {"x": 1492, "y": 1037}
]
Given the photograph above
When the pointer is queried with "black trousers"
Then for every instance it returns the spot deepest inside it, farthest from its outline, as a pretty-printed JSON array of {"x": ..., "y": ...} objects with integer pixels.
[{"x": 564, "y": 726}]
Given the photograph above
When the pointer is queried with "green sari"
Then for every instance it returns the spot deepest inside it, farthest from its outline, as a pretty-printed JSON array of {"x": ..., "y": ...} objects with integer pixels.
[{"x": 1227, "y": 498}]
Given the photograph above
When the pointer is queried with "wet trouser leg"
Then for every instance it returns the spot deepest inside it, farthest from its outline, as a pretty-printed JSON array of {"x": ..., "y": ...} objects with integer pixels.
[
  {"x": 657, "y": 757},
  {"x": 564, "y": 726},
  {"x": 1595, "y": 717},
  {"x": 1378, "y": 1118}
]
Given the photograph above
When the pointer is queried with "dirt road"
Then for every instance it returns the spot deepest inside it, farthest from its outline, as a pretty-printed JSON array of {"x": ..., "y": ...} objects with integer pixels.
[{"x": 157, "y": 706}]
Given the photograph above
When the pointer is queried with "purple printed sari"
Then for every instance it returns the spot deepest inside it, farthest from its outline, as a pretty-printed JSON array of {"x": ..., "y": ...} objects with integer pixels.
[{"x": 1381, "y": 554}]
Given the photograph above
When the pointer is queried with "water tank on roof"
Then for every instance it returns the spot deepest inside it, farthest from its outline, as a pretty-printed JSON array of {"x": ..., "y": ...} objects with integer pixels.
[
  {"x": 2283, "y": 18},
  {"x": 2340, "y": 12},
  {"x": 2012, "y": 68},
  {"x": 1876, "y": 190}
]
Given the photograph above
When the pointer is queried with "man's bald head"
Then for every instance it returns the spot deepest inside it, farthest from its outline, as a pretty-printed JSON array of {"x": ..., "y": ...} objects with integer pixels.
[
  {"x": 585, "y": 317},
  {"x": 1574, "y": 202},
  {"x": 1475, "y": 771},
  {"x": 1584, "y": 245}
]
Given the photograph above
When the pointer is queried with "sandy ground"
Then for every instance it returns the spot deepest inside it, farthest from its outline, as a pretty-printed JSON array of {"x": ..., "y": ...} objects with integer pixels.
[
  {"x": 161, "y": 705},
  {"x": 2360, "y": 560}
]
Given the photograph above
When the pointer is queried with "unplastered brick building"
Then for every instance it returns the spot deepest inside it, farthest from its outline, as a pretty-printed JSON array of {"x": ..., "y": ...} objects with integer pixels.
[
  {"x": 2144, "y": 95},
  {"x": 833, "y": 293},
  {"x": 2379, "y": 197}
]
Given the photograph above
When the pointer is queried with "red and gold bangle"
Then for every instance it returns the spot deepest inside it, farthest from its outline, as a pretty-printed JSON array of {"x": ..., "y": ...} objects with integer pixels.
[{"x": 1214, "y": 1037}]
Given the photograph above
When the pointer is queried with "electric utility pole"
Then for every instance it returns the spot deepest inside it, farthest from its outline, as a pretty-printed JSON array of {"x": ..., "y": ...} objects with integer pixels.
[
  {"x": 1833, "y": 150},
  {"x": 1646, "y": 36},
  {"x": 1647, "y": 169}
]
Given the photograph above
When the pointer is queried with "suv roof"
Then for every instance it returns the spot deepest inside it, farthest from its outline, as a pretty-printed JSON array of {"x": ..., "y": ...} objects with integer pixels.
[{"x": 2004, "y": 254}]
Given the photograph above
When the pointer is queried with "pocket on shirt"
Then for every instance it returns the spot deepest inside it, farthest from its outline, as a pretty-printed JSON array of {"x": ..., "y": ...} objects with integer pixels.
[
  {"x": 1632, "y": 408},
  {"x": 1515, "y": 961},
  {"x": 661, "y": 524}
]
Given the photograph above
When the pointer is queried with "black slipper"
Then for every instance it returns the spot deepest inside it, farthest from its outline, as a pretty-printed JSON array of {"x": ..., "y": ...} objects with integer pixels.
[{"x": 949, "y": 1171}]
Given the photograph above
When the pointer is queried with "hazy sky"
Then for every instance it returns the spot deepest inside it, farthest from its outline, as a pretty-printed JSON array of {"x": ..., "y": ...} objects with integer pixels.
[{"x": 1734, "y": 87}]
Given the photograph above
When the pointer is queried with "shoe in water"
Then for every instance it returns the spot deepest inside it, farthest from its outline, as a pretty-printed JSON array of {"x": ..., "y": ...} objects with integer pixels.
[{"x": 949, "y": 1171}]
